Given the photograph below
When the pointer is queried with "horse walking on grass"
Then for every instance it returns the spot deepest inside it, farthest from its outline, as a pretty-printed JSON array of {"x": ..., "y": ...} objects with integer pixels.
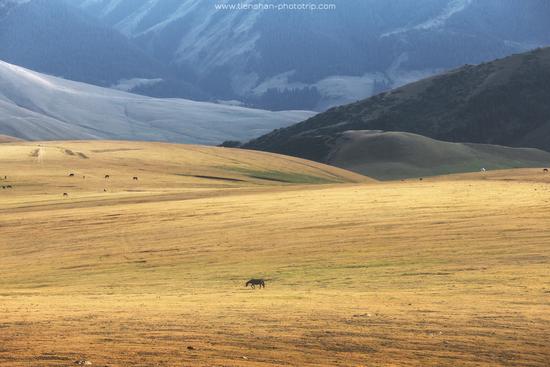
[{"x": 254, "y": 282}]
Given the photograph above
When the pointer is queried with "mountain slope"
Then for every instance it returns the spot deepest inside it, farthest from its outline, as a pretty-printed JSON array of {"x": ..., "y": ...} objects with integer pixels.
[
  {"x": 54, "y": 38},
  {"x": 61, "y": 41},
  {"x": 396, "y": 155},
  {"x": 8, "y": 139},
  {"x": 504, "y": 102},
  {"x": 360, "y": 48},
  {"x": 40, "y": 107}
]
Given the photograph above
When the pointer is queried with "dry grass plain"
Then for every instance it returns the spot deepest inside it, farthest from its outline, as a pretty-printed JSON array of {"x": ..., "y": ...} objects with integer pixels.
[{"x": 447, "y": 271}]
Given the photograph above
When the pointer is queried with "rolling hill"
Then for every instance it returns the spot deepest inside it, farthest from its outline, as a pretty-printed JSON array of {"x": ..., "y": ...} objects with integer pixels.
[
  {"x": 503, "y": 102},
  {"x": 397, "y": 155},
  {"x": 151, "y": 272},
  {"x": 43, "y": 169},
  {"x": 35, "y": 106}
]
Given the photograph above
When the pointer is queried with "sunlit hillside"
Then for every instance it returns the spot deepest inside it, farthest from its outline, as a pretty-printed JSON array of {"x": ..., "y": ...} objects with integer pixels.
[
  {"x": 151, "y": 272},
  {"x": 42, "y": 172}
]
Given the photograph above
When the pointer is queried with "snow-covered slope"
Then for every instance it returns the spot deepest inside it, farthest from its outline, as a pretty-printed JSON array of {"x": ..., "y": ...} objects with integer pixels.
[{"x": 41, "y": 107}]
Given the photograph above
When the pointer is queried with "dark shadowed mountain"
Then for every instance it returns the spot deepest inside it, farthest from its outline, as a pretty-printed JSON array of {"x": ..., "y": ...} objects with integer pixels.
[
  {"x": 503, "y": 102},
  {"x": 58, "y": 39},
  {"x": 314, "y": 59}
]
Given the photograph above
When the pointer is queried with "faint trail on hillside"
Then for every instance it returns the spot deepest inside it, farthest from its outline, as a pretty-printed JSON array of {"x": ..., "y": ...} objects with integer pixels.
[{"x": 38, "y": 154}]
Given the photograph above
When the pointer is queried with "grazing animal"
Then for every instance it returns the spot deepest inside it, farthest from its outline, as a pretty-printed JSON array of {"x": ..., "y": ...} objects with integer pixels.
[
  {"x": 421, "y": 179},
  {"x": 71, "y": 174},
  {"x": 545, "y": 170},
  {"x": 254, "y": 282},
  {"x": 104, "y": 190},
  {"x": 135, "y": 178},
  {"x": 83, "y": 362},
  {"x": 107, "y": 176},
  {"x": 483, "y": 170},
  {"x": 65, "y": 195},
  {"x": 9, "y": 187}
]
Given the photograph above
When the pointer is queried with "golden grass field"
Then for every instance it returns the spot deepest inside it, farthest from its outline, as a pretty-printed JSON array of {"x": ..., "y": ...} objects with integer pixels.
[{"x": 451, "y": 271}]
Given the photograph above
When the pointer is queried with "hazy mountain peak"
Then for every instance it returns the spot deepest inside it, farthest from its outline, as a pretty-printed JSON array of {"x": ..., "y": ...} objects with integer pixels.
[{"x": 264, "y": 57}]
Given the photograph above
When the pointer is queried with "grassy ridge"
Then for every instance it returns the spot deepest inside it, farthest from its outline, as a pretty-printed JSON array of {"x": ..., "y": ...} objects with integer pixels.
[{"x": 398, "y": 155}]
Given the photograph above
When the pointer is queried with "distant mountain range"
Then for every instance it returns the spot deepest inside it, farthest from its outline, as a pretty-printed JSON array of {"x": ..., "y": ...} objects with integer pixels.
[
  {"x": 504, "y": 102},
  {"x": 265, "y": 58},
  {"x": 35, "y": 106}
]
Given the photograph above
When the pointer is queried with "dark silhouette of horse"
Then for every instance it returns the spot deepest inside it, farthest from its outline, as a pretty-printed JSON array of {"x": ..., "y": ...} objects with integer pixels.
[
  {"x": 107, "y": 176},
  {"x": 71, "y": 174},
  {"x": 65, "y": 195},
  {"x": 254, "y": 282},
  {"x": 545, "y": 170},
  {"x": 135, "y": 178}
]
